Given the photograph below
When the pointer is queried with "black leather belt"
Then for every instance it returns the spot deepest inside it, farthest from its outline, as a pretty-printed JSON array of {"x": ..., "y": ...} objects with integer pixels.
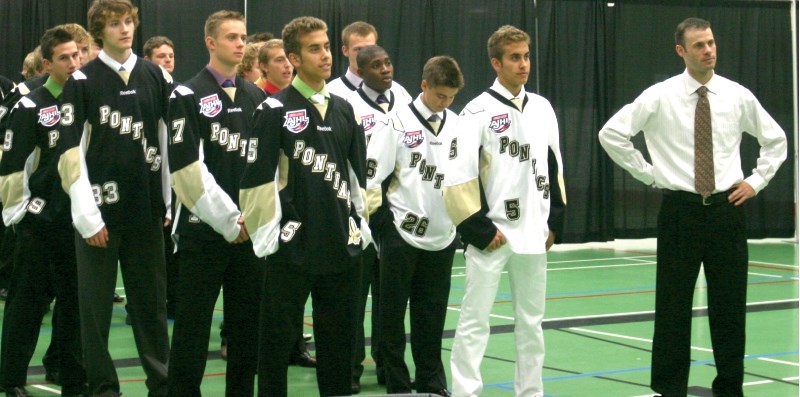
[{"x": 714, "y": 199}]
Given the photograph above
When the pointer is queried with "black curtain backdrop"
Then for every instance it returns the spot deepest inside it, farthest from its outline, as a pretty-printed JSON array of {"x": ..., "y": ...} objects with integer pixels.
[{"x": 590, "y": 59}]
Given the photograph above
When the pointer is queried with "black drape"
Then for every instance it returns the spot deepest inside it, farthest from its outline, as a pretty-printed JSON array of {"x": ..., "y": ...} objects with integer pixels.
[{"x": 590, "y": 57}]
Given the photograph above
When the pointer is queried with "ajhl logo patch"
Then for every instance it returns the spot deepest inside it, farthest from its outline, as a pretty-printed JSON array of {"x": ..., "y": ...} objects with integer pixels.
[
  {"x": 500, "y": 123},
  {"x": 413, "y": 139},
  {"x": 49, "y": 116},
  {"x": 296, "y": 120},
  {"x": 367, "y": 122},
  {"x": 210, "y": 106}
]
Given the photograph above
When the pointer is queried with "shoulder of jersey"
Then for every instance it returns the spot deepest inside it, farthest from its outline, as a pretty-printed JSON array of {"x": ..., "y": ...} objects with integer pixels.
[
  {"x": 270, "y": 102},
  {"x": 181, "y": 90},
  {"x": 79, "y": 75},
  {"x": 26, "y": 102},
  {"x": 472, "y": 108}
]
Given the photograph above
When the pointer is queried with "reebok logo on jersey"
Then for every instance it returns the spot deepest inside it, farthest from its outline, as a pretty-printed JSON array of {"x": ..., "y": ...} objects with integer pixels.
[
  {"x": 210, "y": 106},
  {"x": 413, "y": 139},
  {"x": 296, "y": 120},
  {"x": 500, "y": 123},
  {"x": 49, "y": 116},
  {"x": 367, "y": 122}
]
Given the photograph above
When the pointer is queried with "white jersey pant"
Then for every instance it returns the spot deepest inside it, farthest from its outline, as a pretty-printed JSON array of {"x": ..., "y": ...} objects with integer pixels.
[{"x": 528, "y": 277}]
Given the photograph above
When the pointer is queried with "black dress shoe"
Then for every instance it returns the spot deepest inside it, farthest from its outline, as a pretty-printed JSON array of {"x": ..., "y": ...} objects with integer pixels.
[
  {"x": 444, "y": 393},
  {"x": 303, "y": 360},
  {"x": 118, "y": 299},
  {"x": 355, "y": 386},
  {"x": 17, "y": 392}
]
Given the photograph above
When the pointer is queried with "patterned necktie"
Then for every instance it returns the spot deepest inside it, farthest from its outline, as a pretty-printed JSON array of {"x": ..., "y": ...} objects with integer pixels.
[
  {"x": 435, "y": 121},
  {"x": 320, "y": 103},
  {"x": 124, "y": 74},
  {"x": 703, "y": 145},
  {"x": 383, "y": 102},
  {"x": 229, "y": 88}
]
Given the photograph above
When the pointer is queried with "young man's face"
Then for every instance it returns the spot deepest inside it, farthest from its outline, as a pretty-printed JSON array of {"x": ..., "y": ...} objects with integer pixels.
[
  {"x": 164, "y": 56},
  {"x": 118, "y": 33},
  {"x": 66, "y": 60},
  {"x": 278, "y": 69},
  {"x": 228, "y": 47},
  {"x": 313, "y": 64},
  {"x": 83, "y": 49},
  {"x": 699, "y": 52},
  {"x": 438, "y": 98},
  {"x": 355, "y": 43},
  {"x": 515, "y": 66},
  {"x": 378, "y": 73}
]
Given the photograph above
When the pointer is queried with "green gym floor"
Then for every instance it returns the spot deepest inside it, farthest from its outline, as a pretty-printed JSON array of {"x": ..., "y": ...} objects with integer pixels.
[{"x": 599, "y": 324}]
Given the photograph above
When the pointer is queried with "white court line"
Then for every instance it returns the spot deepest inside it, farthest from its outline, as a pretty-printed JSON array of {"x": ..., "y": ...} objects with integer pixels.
[
  {"x": 456, "y": 309},
  {"x": 603, "y": 259},
  {"x": 772, "y": 360},
  {"x": 48, "y": 389},
  {"x": 764, "y": 275},
  {"x": 601, "y": 267},
  {"x": 620, "y": 336}
]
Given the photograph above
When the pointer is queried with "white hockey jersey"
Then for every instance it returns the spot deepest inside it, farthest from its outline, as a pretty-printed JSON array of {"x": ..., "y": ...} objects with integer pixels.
[
  {"x": 371, "y": 116},
  {"x": 506, "y": 173},
  {"x": 412, "y": 155}
]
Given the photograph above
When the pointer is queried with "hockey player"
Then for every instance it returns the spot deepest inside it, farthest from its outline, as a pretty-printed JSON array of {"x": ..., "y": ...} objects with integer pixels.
[
  {"x": 304, "y": 194},
  {"x": 210, "y": 123},
  {"x": 504, "y": 191},
  {"x": 418, "y": 242},
  {"x": 355, "y": 36},
  {"x": 160, "y": 51},
  {"x": 37, "y": 206},
  {"x": 373, "y": 102},
  {"x": 112, "y": 141}
]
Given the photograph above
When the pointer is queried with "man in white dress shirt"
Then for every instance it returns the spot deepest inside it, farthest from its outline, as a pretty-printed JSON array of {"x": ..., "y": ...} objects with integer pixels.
[{"x": 701, "y": 217}]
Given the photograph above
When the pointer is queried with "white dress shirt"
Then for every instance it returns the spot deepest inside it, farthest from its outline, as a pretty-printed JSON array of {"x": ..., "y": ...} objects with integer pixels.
[{"x": 665, "y": 112}]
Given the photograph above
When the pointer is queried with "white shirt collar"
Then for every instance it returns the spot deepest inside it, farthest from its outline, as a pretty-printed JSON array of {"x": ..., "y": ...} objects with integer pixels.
[
  {"x": 128, "y": 64},
  {"x": 423, "y": 110},
  {"x": 353, "y": 78},
  {"x": 692, "y": 85},
  {"x": 373, "y": 95},
  {"x": 505, "y": 93}
]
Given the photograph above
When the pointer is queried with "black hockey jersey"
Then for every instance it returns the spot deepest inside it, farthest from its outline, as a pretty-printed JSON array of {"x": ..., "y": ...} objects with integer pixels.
[
  {"x": 29, "y": 181},
  {"x": 300, "y": 196},
  {"x": 209, "y": 136},
  {"x": 113, "y": 137}
]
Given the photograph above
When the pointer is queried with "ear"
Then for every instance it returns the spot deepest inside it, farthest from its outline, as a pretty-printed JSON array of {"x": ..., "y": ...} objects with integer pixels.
[
  {"x": 360, "y": 72},
  {"x": 48, "y": 66},
  {"x": 210, "y": 43},
  {"x": 496, "y": 64},
  {"x": 294, "y": 60},
  {"x": 344, "y": 50},
  {"x": 680, "y": 50},
  {"x": 423, "y": 86}
]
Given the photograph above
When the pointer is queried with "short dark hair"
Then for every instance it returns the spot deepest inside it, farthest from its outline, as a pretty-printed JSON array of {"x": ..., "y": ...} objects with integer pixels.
[
  {"x": 503, "y": 36},
  {"x": 52, "y": 38},
  {"x": 155, "y": 42},
  {"x": 360, "y": 28},
  {"x": 263, "y": 53},
  {"x": 297, "y": 27},
  {"x": 102, "y": 10},
  {"x": 260, "y": 37},
  {"x": 689, "y": 23},
  {"x": 443, "y": 70},
  {"x": 367, "y": 53},
  {"x": 214, "y": 20}
]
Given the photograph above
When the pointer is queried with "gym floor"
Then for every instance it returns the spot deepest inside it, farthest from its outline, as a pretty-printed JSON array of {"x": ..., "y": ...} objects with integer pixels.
[{"x": 599, "y": 325}]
